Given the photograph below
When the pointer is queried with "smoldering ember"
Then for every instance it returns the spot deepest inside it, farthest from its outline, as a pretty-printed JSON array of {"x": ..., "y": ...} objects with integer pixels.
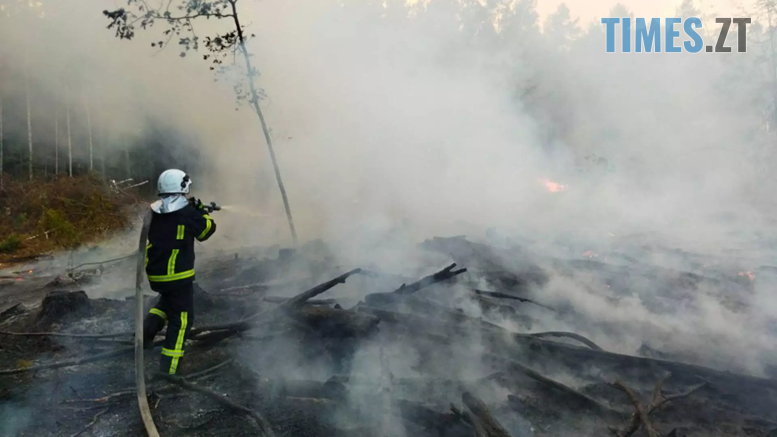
[{"x": 291, "y": 343}]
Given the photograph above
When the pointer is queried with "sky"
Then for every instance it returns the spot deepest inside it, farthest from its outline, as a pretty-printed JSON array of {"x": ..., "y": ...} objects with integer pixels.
[{"x": 588, "y": 10}]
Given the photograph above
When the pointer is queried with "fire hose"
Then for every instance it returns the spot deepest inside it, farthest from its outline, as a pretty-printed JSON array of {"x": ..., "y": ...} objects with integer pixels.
[{"x": 140, "y": 374}]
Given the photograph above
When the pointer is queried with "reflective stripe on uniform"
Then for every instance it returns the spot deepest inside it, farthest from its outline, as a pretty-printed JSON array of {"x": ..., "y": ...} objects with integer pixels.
[
  {"x": 207, "y": 227},
  {"x": 179, "y": 236},
  {"x": 147, "y": 247},
  {"x": 169, "y": 278},
  {"x": 171, "y": 274},
  {"x": 179, "y": 343},
  {"x": 172, "y": 353},
  {"x": 171, "y": 263},
  {"x": 158, "y": 312}
]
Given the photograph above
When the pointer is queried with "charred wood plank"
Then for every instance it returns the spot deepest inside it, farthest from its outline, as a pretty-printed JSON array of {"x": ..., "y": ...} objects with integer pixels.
[
  {"x": 418, "y": 323},
  {"x": 499, "y": 295},
  {"x": 514, "y": 366},
  {"x": 421, "y": 327},
  {"x": 489, "y": 333},
  {"x": 297, "y": 301},
  {"x": 426, "y": 308},
  {"x": 488, "y": 423},
  {"x": 286, "y": 308},
  {"x": 337, "y": 323},
  {"x": 569, "y": 355},
  {"x": 280, "y": 299},
  {"x": 443, "y": 424},
  {"x": 440, "y": 276},
  {"x": 283, "y": 309},
  {"x": 243, "y": 325},
  {"x": 304, "y": 389},
  {"x": 571, "y": 335}
]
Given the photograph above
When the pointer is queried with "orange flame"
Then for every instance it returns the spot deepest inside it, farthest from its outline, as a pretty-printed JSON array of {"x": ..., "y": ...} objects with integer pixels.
[
  {"x": 750, "y": 275},
  {"x": 553, "y": 187}
]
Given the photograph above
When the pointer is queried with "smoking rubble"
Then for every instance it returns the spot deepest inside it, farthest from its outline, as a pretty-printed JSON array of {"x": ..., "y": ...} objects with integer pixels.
[{"x": 377, "y": 361}]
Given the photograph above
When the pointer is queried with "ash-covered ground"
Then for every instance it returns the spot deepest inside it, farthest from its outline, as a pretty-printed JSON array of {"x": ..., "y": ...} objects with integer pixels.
[{"x": 533, "y": 339}]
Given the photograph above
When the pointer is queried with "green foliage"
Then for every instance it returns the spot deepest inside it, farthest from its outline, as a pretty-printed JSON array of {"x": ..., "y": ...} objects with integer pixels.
[
  {"x": 61, "y": 214},
  {"x": 10, "y": 244},
  {"x": 58, "y": 227},
  {"x": 20, "y": 220}
]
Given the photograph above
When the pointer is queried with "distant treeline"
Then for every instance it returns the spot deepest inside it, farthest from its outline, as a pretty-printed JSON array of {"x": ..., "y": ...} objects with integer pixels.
[{"x": 72, "y": 141}]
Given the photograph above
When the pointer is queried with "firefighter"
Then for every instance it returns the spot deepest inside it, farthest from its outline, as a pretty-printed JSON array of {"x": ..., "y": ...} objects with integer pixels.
[{"x": 176, "y": 223}]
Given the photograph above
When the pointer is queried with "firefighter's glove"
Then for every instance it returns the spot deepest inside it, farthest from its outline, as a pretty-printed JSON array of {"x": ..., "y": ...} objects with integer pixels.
[{"x": 197, "y": 203}]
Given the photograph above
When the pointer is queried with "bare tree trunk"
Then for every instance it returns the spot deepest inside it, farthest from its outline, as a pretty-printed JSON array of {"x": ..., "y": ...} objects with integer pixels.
[
  {"x": 127, "y": 158},
  {"x": 102, "y": 154},
  {"x": 101, "y": 139},
  {"x": 69, "y": 137},
  {"x": 2, "y": 183},
  {"x": 89, "y": 129},
  {"x": 56, "y": 141},
  {"x": 773, "y": 65},
  {"x": 29, "y": 116},
  {"x": 255, "y": 103}
]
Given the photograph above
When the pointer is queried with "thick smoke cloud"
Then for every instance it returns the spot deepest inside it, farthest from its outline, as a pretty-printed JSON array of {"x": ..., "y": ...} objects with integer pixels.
[{"x": 391, "y": 118}]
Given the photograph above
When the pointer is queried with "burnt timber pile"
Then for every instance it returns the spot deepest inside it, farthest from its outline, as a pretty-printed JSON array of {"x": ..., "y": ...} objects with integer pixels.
[{"x": 298, "y": 345}]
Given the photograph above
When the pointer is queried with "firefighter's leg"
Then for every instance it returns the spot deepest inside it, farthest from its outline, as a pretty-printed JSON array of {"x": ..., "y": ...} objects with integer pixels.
[
  {"x": 180, "y": 319},
  {"x": 154, "y": 321}
]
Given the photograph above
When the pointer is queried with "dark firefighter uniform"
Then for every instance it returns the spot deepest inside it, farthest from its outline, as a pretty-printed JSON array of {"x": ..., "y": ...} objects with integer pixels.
[{"x": 170, "y": 271}]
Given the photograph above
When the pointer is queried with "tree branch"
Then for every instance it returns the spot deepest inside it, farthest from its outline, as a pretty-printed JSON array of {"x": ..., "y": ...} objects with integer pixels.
[
  {"x": 90, "y": 424},
  {"x": 132, "y": 391},
  {"x": 260, "y": 421},
  {"x": 640, "y": 417},
  {"x": 75, "y": 361},
  {"x": 63, "y": 334}
]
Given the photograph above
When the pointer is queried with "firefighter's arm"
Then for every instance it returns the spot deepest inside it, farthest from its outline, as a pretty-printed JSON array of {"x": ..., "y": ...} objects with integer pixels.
[{"x": 204, "y": 226}]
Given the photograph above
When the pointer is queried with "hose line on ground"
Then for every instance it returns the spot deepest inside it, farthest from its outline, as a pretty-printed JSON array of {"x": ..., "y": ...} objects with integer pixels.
[{"x": 140, "y": 375}]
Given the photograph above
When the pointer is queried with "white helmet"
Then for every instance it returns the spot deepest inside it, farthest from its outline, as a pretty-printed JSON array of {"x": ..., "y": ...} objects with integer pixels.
[{"x": 173, "y": 182}]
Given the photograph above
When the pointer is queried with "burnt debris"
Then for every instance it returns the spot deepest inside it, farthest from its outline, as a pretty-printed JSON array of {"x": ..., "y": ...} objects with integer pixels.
[{"x": 463, "y": 351}]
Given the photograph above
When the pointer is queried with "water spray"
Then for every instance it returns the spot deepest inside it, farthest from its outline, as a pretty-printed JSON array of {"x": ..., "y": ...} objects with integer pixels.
[{"x": 237, "y": 209}]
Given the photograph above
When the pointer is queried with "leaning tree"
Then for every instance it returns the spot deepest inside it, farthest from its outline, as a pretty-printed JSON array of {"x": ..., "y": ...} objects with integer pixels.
[{"x": 178, "y": 18}]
